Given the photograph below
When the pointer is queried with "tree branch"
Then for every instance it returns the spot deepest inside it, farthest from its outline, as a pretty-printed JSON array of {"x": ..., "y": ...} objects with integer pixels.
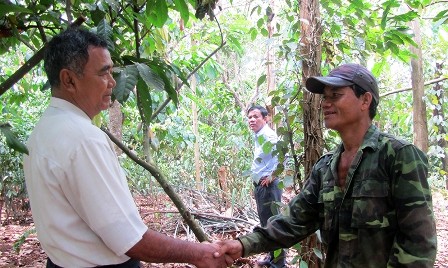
[
  {"x": 31, "y": 63},
  {"x": 437, "y": 80},
  {"x": 157, "y": 174}
]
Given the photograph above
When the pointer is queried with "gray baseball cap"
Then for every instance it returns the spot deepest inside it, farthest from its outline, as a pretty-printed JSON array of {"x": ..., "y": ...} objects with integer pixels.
[{"x": 345, "y": 75}]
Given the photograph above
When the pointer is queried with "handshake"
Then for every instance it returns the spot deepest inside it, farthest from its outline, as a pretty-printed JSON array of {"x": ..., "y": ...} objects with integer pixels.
[{"x": 219, "y": 253}]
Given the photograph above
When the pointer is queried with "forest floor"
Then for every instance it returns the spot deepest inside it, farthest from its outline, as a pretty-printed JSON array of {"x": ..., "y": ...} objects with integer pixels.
[{"x": 153, "y": 211}]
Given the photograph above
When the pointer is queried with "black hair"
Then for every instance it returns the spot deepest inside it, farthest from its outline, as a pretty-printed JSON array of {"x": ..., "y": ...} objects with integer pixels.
[
  {"x": 69, "y": 50},
  {"x": 373, "y": 105},
  {"x": 262, "y": 110}
]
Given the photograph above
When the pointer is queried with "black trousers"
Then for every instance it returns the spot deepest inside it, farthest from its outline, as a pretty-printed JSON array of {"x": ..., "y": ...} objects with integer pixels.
[
  {"x": 131, "y": 263},
  {"x": 264, "y": 197}
]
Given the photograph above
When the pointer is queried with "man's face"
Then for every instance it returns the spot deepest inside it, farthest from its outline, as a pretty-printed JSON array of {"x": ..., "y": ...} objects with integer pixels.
[
  {"x": 256, "y": 120},
  {"x": 342, "y": 109},
  {"x": 94, "y": 87}
]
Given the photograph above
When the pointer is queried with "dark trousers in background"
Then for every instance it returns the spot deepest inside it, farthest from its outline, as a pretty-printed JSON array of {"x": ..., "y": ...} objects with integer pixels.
[{"x": 264, "y": 196}]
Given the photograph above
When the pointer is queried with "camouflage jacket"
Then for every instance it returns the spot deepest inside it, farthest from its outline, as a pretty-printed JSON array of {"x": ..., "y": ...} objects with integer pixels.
[{"x": 384, "y": 218}]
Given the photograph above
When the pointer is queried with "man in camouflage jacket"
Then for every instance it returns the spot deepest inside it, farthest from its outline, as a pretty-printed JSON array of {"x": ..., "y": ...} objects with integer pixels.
[{"x": 370, "y": 198}]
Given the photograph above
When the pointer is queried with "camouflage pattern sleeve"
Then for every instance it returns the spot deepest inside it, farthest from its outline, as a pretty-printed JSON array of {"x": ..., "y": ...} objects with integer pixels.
[
  {"x": 286, "y": 229},
  {"x": 415, "y": 243}
]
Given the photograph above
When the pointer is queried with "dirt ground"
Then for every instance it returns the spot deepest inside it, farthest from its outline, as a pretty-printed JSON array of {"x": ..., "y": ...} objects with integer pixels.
[{"x": 31, "y": 255}]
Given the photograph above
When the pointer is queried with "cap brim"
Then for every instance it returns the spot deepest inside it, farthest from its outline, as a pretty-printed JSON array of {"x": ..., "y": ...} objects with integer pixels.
[{"x": 317, "y": 84}]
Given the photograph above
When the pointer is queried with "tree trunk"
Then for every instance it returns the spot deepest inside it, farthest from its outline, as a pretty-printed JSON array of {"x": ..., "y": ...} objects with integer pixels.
[
  {"x": 270, "y": 60},
  {"x": 311, "y": 51},
  {"x": 419, "y": 108},
  {"x": 116, "y": 123},
  {"x": 197, "y": 153}
]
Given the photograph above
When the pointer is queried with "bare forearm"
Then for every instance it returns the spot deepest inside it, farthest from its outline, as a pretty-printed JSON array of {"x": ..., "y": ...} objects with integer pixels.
[{"x": 159, "y": 248}]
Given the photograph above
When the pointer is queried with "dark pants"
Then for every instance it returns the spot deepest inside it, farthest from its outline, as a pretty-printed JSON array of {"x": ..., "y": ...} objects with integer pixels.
[
  {"x": 264, "y": 197},
  {"x": 131, "y": 263}
]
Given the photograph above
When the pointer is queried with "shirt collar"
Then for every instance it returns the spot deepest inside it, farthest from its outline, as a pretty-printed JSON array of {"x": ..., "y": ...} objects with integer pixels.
[{"x": 67, "y": 106}]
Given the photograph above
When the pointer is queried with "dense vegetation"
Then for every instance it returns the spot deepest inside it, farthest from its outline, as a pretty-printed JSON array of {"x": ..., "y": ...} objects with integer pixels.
[{"x": 184, "y": 82}]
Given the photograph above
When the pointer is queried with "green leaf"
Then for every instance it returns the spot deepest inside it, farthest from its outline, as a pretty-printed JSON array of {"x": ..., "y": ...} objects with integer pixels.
[
  {"x": 11, "y": 8},
  {"x": 157, "y": 12},
  {"x": 264, "y": 32},
  {"x": 182, "y": 7},
  {"x": 151, "y": 78},
  {"x": 406, "y": 17},
  {"x": 384, "y": 17},
  {"x": 144, "y": 101},
  {"x": 303, "y": 264},
  {"x": 261, "y": 80},
  {"x": 126, "y": 81},
  {"x": 318, "y": 253},
  {"x": 267, "y": 147},
  {"x": 105, "y": 31},
  {"x": 260, "y": 23},
  {"x": 253, "y": 33},
  {"x": 163, "y": 70},
  {"x": 97, "y": 15},
  {"x": 11, "y": 139}
]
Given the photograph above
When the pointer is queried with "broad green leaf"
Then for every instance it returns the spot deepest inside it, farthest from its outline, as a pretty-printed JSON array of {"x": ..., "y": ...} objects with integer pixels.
[
  {"x": 303, "y": 264},
  {"x": 151, "y": 79},
  {"x": 105, "y": 31},
  {"x": 253, "y": 33},
  {"x": 157, "y": 12},
  {"x": 126, "y": 81},
  {"x": 11, "y": 139},
  {"x": 163, "y": 70},
  {"x": 264, "y": 32},
  {"x": 318, "y": 253},
  {"x": 384, "y": 17},
  {"x": 260, "y": 23},
  {"x": 144, "y": 101},
  {"x": 182, "y": 7},
  {"x": 97, "y": 15},
  {"x": 267, "y": 147},
  {"x": 261, "y": 80},
  {"x": 406, "y": 17},
  {"x": 11, "y": 8}
]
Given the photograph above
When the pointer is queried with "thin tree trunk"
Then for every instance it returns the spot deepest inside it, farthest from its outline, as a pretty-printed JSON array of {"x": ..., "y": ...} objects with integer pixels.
[
  {"x": 270, "y": 60},
  {"x": 197, "y": 153},
  {"x": 419, "y": 107},
  {"x": 311, "y": 52},
  {"x": 116, "y": 123}
]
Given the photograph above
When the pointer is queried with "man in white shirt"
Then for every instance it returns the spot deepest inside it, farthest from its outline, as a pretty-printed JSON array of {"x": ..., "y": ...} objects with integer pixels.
[
  {"x": 83, "y": 210},
  {"x": 266, "y": 183}
]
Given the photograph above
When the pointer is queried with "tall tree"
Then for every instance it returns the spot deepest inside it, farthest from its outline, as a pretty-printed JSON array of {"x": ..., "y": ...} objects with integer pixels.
[
  {"x": 419, "y": 107},
  {"x": 311, "y": 52}
]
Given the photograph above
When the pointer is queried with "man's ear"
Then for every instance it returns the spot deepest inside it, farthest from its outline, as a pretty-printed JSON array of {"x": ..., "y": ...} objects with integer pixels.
[
  {"x": 67, "y": 80},
  {"x": 367, "y": 98}
]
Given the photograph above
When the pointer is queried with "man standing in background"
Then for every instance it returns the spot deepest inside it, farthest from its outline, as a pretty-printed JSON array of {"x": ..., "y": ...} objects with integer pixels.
[{"x": 262, "y": 172}]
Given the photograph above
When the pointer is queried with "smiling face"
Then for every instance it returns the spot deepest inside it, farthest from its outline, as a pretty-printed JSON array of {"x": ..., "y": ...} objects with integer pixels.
[
  {"x": 90, "y": 91},
  {"x": 342, "y": 110},
  {"x": 256, "y": 120}
]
